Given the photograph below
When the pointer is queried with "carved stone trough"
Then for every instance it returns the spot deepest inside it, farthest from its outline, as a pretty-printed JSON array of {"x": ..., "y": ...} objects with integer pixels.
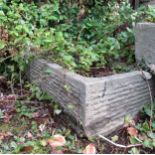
[{"x": 98, "y": 104}]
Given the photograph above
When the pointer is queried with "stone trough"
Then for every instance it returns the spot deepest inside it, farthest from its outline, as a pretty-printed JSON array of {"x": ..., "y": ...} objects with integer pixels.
[{"x": 98, "y": 104}]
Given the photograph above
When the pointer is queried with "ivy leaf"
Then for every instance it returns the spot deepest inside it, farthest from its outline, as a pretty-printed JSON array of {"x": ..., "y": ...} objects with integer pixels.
[
  {"x": 151, "y": 135},
  {"x": 148, "y": 144},
  {"x": 146, "y": 127}
]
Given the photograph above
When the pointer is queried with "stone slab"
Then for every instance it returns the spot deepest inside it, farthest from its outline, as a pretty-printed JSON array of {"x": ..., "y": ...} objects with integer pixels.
[
  {"x": 145, "y": 43},
  {"x": 98, "y": 104}
]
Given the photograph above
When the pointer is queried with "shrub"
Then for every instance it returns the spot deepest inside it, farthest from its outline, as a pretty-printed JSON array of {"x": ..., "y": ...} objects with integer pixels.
[{"x": 103, "y": 35}]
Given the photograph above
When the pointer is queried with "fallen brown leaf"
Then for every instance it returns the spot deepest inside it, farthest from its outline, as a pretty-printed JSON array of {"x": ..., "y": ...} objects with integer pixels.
[
  {"x": 3, "y": 135},
  {"x": 7, "y": 118},
  {"x": 54, "y": 151},
  {"x": 132, "y": 131},
  {"x": 29, "y": 135},
  {"x": 27, "y": 149},
  {"x": 57, "y": 140},
  {"x": 90, "y": 149}
]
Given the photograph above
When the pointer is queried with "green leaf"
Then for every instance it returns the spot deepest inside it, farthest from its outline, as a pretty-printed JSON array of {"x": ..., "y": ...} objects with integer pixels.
[
  {"x": 115, "y": 138},
  {"x": 134, "y": 150},
  {"x": 2, "y": 44},
  {"x": 48, "y": 71},
  {"x": 133, "y": 140},
  {"x": 147, "y": 109},
  {"x": 151, "y": 135},
  {"x": 148, "y": 144},
  {"x": 153, "y": 125},
  {"x": 145, "y": 126},
  {"x": 13, "y": 144},
  {"x": 57, "y": 111},
  {"x": 1, "y": 114},
  {"x": 127, "y": 119}
]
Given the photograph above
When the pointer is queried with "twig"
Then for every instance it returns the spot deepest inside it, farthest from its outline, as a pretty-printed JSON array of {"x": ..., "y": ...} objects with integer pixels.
[
  {"x": 78, "y": 37},
  {"x": 120, "y": 145},
  {"x": 30, "y": 102},
  {"x": 21, "y": 87},
  {"x": 151, "y": 97},
  {"x": 21, "y": 97},
  {"x": 12, "y": 89}
]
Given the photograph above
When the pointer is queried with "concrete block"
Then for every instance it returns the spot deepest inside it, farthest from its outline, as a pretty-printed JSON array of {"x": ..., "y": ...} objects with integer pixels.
[{"x": 98, "y": 104}]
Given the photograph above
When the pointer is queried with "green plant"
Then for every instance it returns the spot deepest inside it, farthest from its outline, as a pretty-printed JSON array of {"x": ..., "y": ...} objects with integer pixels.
[
  {"x": 145, "y": 135},
  {"x": 1, "y": 114},
  {"x": 102, "y": 36},
  {"x": 37, "y": 93},
  {"x": 105, "y": 35},
  {"x": 23, "y": 110},
  {"x": 22, "y": 27}
]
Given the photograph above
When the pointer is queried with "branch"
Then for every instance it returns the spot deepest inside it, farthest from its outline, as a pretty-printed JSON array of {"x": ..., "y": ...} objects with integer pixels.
[{"x": 120, "y": 145}]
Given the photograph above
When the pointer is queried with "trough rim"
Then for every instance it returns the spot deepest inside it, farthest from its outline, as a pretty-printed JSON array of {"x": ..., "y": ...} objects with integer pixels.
[
  {"x": 85, "y": 79},
  {"x": 141, "y": 24}
]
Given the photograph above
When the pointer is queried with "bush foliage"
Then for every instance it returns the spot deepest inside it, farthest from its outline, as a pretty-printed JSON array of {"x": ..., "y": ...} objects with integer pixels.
[{"x": 76, "y": 34}]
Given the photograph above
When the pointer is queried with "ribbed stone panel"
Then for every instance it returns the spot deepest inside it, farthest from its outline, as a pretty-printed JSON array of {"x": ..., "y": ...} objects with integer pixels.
[
  {"x": 111, "y": 98},
  {"x": 100, "y": 104},
  {"x": 145, "y": 43},
  {"x": 65, "y": 87}
]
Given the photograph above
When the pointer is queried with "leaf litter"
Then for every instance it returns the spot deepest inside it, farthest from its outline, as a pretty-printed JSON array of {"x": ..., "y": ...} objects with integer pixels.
[{"x": 31, "y": 126}]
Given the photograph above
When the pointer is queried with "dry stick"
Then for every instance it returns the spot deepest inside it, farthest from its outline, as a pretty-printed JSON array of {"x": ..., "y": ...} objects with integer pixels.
[
  {"x": 78, "y": 37},
  {"x": 22, "y": 97},
  {"x": 151, "y": 97},
  {"x": 21, "y": 87},
  {"x": 119, "y": 145},
  {"x": 12, "y": 89}
]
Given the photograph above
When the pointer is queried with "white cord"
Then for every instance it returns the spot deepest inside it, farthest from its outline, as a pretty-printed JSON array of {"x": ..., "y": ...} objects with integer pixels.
[{"x": 119, "y": 145}]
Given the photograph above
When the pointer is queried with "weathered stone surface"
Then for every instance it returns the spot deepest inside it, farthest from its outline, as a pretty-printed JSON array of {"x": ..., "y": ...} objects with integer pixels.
[
  {"x": 149, "y": 3},
  {"x": 145, "y": 42},
  {"x": 99, "y": 104}
]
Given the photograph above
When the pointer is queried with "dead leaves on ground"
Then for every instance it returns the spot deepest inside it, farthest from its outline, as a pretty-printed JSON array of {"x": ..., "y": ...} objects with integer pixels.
[
  {"x": 29, "y": 135},
  {"x": 132, "y": 131},
  {"x": 2, "y": 79},
  {"x": 7, "y": 105},
  {"x": 90, "y": 149},
  {"x": 56, "y": 141},
  {"x": 60, "y": 141},
  {"x": 26, "y": 149},
  {"x": 40, "y": 113},
  {"x": 7, "y": 99},
  {"x": 4, "y": 135}
]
